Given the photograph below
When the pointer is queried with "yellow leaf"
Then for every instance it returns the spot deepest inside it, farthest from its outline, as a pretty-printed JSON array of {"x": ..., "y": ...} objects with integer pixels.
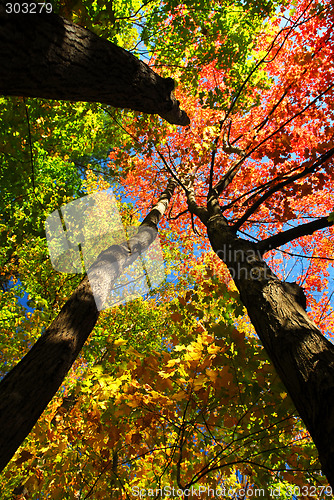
[
  {"x": 194, "y": 352},
  {"x": 179, "y": 348},
  {"x": 165, "y": 374},
  {"x": 120, "y": 341},
  {"x": 213, "y": 349}
]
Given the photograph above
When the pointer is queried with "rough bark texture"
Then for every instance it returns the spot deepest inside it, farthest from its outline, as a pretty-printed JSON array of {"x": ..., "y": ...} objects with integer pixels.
[
  {"x": 30, "y": 385},
  {"x": 44, "y": 55},
  {"x": 302, "y": 356},
  {"x": 27, "y": 389}
]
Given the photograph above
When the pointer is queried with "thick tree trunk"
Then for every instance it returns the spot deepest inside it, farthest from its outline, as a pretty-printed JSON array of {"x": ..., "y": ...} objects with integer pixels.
[
  {"x": 30, "y": 385},
  {"x": 27, "y": 389},
  {"x": 302, "y": 356},
  {"x": 44, "y": 55}
]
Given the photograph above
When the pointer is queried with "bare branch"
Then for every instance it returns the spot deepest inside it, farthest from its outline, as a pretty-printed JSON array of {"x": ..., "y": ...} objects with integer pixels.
[
  {"x": 175, "y": 177},
  {"x": 234, "y": 169},
  {"x": 213, "y": 156},
  {"x": 169, "y": 217},
  {"x": 229, "y": 176},
  {"x": 324, "y": 157},
  {"x": 227, "y": 146},
  {"x": 201, "y": 212},
  {"x": 291, "y": 234}
]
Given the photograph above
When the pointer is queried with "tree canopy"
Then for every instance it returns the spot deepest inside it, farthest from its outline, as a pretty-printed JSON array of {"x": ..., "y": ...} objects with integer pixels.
[{"x": 222, "y": 377}]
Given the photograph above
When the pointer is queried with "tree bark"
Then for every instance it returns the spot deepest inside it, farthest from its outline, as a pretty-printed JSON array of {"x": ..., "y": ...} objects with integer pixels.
[
  {"x": 28, "y": 388},
  {"x": 302, "y": 356},
  {"x": 44, "y": 55}
]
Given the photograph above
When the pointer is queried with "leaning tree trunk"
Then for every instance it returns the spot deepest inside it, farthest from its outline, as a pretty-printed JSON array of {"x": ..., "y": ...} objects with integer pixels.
[
  {"x": 44, "y": 55},
  {"x": 302, "y": 356},
  {"x": 28, "y": 388}
]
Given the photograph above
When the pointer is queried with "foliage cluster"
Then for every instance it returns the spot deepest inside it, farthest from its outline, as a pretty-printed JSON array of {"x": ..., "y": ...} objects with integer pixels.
[{"x": 173, "y": 389}]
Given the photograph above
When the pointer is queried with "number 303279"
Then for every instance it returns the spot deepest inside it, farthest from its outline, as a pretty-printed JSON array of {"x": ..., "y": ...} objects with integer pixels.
[{"x": 28, "y": 8}]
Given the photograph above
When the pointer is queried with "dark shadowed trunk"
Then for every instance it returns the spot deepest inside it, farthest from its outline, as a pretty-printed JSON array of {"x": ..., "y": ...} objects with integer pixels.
[
  {"x": 302, "y": 356},
  {"x": 44, "y": 55},
  {"x": 28, "y": 388}
]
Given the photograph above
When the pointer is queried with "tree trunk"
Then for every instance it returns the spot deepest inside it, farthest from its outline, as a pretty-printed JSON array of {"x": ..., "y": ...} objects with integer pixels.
[
  {"x": 302, "y": 356},
  {"x": 28, "y": 388},
  {"x": 44, "y": 55}
]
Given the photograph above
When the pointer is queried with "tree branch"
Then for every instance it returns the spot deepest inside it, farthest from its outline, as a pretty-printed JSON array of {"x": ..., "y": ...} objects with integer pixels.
[
  {"x": 44, "y": 55},
  {"x": 175, "y": 177},
  {"x": 213, "y": 155},
  {"x": 229, "y": 176},
  {"x": 291, "y": 234},
  {"x": 195, "y": 209},
  {"x": 308, "y": 170},
  {"x": 234, "y": 169}
]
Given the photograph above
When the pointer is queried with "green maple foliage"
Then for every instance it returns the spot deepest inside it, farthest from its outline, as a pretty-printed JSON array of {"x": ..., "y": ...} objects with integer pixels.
[
  {"x": 46, "y": 150},
  {"x": 222, "y": 33}
]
